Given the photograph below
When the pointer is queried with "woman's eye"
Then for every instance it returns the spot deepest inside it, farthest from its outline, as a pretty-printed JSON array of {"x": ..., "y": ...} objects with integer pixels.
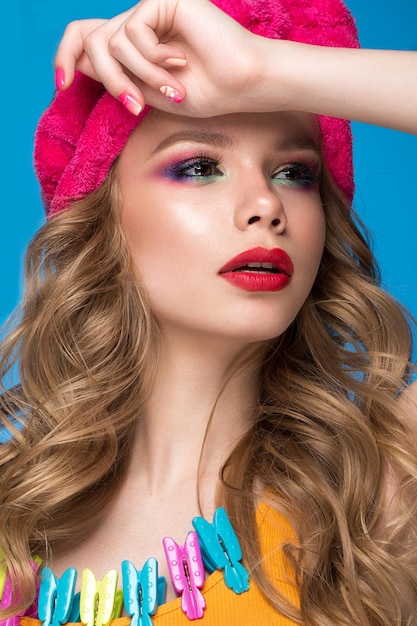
[
  {"x": 198, "y": 168},
  {"x": 296, "y": 174}
]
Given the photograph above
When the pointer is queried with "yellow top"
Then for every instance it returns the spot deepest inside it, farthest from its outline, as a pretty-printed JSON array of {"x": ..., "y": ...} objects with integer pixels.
[{"x": 223, "y": 606}]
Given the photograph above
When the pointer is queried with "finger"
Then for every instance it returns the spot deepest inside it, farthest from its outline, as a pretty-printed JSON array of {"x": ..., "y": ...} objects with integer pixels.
[
  {"x": 115, "y": 78},
  {"x": 71, "y": 50},
  {"x": 154, "y": 74},
  {"x": 144, "y": 29},
  {"x": 84, "y": 66},
  {"x": 117, "y": 64}
]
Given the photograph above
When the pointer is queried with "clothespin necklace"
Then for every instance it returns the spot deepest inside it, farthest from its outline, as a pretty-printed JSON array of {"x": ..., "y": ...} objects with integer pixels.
[{"x": 209, "y": 546}]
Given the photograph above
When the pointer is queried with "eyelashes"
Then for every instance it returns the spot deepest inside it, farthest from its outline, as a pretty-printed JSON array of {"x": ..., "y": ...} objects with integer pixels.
[
  {"x": 202, "y": 168},
  {"x": 297, "y": 175},
  {"x": 199, "y": 167}
]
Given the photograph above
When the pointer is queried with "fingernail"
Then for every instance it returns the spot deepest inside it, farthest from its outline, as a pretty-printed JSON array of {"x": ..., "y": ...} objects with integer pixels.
[
  {"x": 172, "y": 94},
  {"x": 59, "y": 78},
  {"x": 131, "y": 104},
  {"x": 176, "y": 61}
]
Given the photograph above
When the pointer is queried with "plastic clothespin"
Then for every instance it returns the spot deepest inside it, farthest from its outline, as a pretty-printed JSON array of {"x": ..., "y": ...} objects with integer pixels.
[
  {"x": 56, "y": 596},
  {"x": 74, "y": 616},
  {"x": 7, "y": 596},
  {"x": 143, "y": 591},
  {"x": 99, "y": 601},
  {"x": 118, "y": 604},
  {"x": 32, "y": 610},
  {"x": 7, "y": 601},
  {"x": 186, "y": 569},
  {"x": 221, "y": 549},
  {"x": 3, "y": 570}
]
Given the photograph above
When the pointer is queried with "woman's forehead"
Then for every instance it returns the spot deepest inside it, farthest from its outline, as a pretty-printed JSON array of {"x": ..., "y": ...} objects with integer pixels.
[{"x": 286, "y": 130}]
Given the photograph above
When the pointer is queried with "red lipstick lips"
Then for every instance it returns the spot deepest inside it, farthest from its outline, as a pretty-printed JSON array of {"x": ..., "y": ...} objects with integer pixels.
[{"x": 259, "y": 269}]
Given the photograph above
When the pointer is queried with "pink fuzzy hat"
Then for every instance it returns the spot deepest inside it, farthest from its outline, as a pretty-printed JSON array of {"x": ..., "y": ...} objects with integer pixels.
[{"x": 84, "y": 129}]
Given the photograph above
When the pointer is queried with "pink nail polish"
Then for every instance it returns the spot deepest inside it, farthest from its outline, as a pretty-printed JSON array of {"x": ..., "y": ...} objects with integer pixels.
[
  {"x": 171, "y": 94},
  {"x": 131, "y": 104},
  {"x": 59, "y": 78}
]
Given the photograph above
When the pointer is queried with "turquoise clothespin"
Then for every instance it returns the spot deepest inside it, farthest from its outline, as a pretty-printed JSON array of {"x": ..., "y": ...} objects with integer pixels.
[
  {"x": 56, "y": 596},
  {"x": 143, "y": 591},
  {"x": 221, "y": 550},
  {"x": 74, "y": 616}
]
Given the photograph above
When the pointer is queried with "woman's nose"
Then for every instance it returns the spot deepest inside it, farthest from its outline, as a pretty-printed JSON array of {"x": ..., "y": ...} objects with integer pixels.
[{"x": 260, "y": 204}]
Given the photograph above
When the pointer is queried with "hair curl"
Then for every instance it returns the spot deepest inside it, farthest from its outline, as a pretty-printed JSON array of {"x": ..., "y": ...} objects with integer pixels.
[
  {"x": 328, "y": 433},
  {"x": 326, "y": 425}
]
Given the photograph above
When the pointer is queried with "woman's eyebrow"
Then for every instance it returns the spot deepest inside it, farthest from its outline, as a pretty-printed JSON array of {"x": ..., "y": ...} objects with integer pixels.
[
  {"x": 222, "y": 140},
  {"x": 297, "y": 142},
  {"x": 219, "y": 140}
]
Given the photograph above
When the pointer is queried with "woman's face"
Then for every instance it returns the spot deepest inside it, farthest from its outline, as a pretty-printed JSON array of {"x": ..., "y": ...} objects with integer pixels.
[{"x": 224, "y": 221}]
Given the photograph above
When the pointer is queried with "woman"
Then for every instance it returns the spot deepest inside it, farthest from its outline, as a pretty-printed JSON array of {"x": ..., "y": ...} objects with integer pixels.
[{"x": 203, "y": 326}]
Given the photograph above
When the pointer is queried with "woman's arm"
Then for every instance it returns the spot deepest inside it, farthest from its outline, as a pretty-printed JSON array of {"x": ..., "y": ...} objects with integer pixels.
[
  {"x": 191, "y": 49},
  {"x": 374, "y": 86}
]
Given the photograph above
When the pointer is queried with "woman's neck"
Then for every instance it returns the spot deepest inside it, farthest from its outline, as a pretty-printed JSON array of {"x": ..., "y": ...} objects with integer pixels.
[
  {"x": 163, "y": 488},
  {"x": 196, "y": 413}
]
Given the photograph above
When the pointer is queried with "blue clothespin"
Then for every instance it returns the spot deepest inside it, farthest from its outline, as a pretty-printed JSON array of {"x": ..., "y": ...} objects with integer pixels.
[
  {"x": 74, "y": 616},
  {"x": 56, "y": 596},
  {"x": 221, "y": 550},
  {"x": 143, "y": 591}
]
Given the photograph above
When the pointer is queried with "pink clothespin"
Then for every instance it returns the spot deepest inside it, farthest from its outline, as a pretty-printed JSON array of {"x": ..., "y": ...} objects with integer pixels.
[
  {"x": 187, "y": 573},
  {"x": 7, "y": 598}
]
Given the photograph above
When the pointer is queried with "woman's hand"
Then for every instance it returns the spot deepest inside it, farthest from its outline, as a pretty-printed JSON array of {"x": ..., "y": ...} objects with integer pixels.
[
  {"x": 190, "y": 58},
  {"x": 164, "y": 52}
]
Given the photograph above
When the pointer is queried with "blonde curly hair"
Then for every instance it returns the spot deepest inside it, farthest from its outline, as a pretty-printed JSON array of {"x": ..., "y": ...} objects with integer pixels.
[{"x": 327, "y": 426}]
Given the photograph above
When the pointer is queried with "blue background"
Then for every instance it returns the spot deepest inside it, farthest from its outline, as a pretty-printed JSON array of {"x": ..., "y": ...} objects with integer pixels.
[{"x": 386, "y": 161}]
